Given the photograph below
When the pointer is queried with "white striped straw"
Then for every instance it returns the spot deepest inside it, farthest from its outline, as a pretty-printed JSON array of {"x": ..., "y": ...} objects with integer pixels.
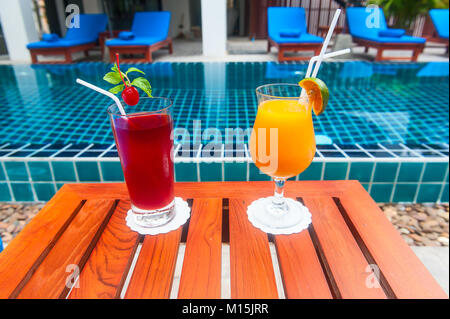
[
  {"x": 326, "y": 42},
  {"x": 325, "y": 56},
  {"x": 99, "y": 90}
]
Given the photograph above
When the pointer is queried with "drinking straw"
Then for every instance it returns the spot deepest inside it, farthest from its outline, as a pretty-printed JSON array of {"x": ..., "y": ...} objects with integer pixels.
[
  {"x": 109, "y": 94},
  {"x": 325, "y": 43},
  {"x": 325, "y": 56},
  {"x": 320, "y": 57}
]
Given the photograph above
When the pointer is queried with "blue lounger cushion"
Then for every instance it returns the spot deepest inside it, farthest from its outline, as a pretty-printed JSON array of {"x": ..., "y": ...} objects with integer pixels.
[
  {"x": 440, "y": 21},
  {"x": 290, "y": 33},
  {"x": 394, "y": 33},
  {"x": 281, "y": 19},
  {"x": 361, "y": 25},
  {"x": 90, "y": 26},
  {"x": 126, "y": 35},
  {"x": 50, "y": 37},
  {"x": 148, "y": 28}
]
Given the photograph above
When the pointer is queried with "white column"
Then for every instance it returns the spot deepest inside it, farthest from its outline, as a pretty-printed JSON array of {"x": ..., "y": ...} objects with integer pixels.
[
  {"x": 214, "y": 27},
  {"x": 19, "y": 28}
]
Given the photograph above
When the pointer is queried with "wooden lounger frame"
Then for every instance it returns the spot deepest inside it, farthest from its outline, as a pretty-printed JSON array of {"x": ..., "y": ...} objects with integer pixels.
[
  {"x": 417, "y": 48},
  {"x": 139, "y": 49},
  {"x": 283, "y": 47},
  {"x": 66, "y": 51}
]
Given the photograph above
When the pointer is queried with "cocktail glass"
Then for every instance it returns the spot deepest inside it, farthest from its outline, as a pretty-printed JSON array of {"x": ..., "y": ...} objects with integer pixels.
[
  {"x": 144, "y": 141},
  {"x": 282, "y": 145}
]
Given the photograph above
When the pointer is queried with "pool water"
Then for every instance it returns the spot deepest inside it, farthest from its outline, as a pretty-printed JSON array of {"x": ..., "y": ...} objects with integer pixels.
[{"x": 369, "y": 102}]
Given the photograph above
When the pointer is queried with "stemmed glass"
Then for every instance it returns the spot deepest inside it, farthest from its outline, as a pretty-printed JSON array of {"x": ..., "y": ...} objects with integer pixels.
[{"x": 282, "y": 145}]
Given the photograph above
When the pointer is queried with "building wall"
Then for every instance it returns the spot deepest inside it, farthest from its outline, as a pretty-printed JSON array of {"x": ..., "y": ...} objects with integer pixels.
[
  {"x": 92, "y": 6},
  {"x": 179, "y": 10}
]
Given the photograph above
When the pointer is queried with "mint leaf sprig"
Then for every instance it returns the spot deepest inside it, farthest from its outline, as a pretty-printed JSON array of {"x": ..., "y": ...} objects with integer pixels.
[{"x": 139, "y": 82}]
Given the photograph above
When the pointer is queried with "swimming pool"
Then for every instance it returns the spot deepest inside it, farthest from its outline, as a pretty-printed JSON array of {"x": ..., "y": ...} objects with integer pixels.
[{"x": 395, "y": 113}]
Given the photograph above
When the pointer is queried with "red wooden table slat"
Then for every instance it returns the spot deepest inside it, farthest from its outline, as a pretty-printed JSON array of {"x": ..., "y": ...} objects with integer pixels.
[
  {"x": 72, "y": 248},
  {"x": 153, "y": 274},
  {"x": 406, "y": 275},
  {"x": 32, "y": 244},
  {"x": 347, "y": 263},
  {"x": 218, "y": 189},
  {"x": 104, "y": 273},
  {"x": 251, "y": 268},
  {"x": 302, "y": 274},
  {"x": 201, "y": 272}
]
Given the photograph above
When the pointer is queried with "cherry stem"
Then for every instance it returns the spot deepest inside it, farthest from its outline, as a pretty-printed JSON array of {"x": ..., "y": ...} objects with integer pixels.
[{"x": 120, "y": 73}]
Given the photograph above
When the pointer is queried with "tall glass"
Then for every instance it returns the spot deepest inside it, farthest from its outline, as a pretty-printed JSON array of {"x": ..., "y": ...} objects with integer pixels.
[
  {"x": 144, "y": 141},
  {"x": 282, "y": 145}
]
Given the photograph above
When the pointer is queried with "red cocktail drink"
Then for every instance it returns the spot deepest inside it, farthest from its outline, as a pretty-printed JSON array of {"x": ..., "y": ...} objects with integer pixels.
[{"x": 145, "y": 145}]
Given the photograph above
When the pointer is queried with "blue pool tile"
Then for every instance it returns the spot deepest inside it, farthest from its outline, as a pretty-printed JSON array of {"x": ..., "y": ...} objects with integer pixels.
[
  {"x": 429, "y": 153},
  {"x": 97, "y": 146},
  {"x": 405, "y": 153},
  {"x": 59, "y": 185},
  {"x": 210, "y": 172},
  {"x": 78, "y": 146},
  {"x": 439, "y": 146},
  {"x": 435, "y": 172},
  {"x": 361, "y": 171},
  {"x": 428, "y": 193},
  {"x": 392, "y": 146},
  {"x": 21, "y": 154},
  {"x": 92, "y": 154},
  {"x": 16, "y": 171},
  {"x": 405, "y": 192},
  {"x": 381, "y": 193},
  {"x": 312, "y": 173},
  {"x": 256, "y": 175},
  {"x": 5, "y": 196},
  {"x": 235, "y": 171},
  {"x": 326, "y": 147},
  {"x": 410, "y": 172},
  {"x": 88, "y": 171},
  {"x": 357, "y": 154},
  {"x": 44, "y": 191},
  {"x": 366, "y": 186},
  {"x": 444, "y": 196},
  {"x": 186, "y": 172},
  {"x": 381, "y": 154},
  {"x": 64, "y": 171},
  {"x": 67, "y": 154},
  {"x": 332, "y": 154},
  {"x": 385, "y": 172},
  {"x": 371, "y": 146},
  {"x": 111, "y": 154},
  {"x": 44, "y": 153},
  {"x": 2, "y": 173},
  {"x": 22, "y": 192},
  {"x": 335, "y": 171},
  {"x": 112, "y": 171},
  {"x": 349, "y": 147},
  {"x": 40, "y": 171},
  {"x": 35, "y": 146}
]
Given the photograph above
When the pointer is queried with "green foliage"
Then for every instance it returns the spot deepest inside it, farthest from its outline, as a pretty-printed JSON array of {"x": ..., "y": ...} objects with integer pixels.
[
  {"x": 406, "y": 11},
  {"x": 114, "y": 78},
  {"x": 143, "y": 84},
  {"x": 116, "y": 89}
]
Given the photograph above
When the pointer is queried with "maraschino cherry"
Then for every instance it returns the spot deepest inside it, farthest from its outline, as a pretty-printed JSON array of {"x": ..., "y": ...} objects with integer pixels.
[{"x": 130, "y": 95}]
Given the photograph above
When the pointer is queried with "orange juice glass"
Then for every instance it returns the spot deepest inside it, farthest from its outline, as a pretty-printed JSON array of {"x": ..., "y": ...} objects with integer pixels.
[{"x": 282, "y": 145}]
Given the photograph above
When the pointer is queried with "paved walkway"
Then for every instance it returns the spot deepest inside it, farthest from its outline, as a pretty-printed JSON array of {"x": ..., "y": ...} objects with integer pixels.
[{"x": 436, "y": 261}]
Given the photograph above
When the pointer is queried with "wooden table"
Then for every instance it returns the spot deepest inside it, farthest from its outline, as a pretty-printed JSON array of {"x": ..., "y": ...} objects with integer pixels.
[{"x": 83, "y": 226}]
